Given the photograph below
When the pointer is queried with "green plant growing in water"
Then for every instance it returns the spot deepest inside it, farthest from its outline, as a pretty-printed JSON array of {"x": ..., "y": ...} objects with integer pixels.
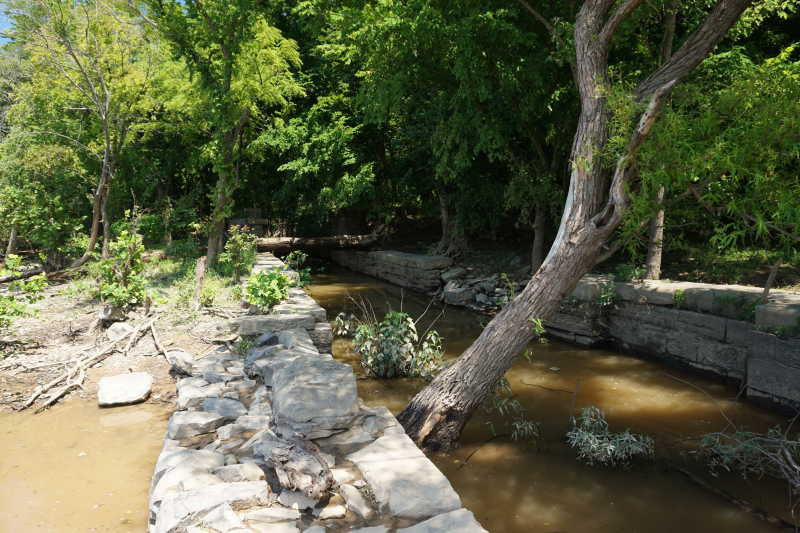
[
  {"x": 344, "y": 325},
  {"x": 539, "y": 330},
  {"x": 596, "y": 444},
  {"x": 240, "y": 251},
  {"x": 121, "y": 277},
  {"x": 392, "y": 348},
  {"x": 751, "y": 454},
  {"x": 503, "y": 402},
  {"x": 295, "y": 260},
  {"x": 267, "y": 288}
]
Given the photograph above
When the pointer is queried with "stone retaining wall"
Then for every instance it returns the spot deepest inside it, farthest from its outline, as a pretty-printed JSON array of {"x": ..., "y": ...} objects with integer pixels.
[
  {"x": 722, "y": 329},
  {"x": 277, "y": 441},
  {"x": 419, "y": 272}
]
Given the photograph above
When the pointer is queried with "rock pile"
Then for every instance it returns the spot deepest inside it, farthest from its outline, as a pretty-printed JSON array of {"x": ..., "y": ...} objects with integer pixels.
[{"x": 278, "y": 441}]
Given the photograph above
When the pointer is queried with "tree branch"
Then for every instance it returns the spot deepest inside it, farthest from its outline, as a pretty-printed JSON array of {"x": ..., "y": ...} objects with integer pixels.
[{"x": 611, "y": 25}]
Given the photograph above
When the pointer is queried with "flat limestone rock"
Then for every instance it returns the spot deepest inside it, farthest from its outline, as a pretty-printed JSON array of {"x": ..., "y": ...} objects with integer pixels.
[
  {"x": 460, "y": 521},
  {"x": 118, "y": 330},
  {"x": 314, "y": 397},
  {"x": 258, "y": 324},
  {"x": 225, "y": 407},
  {"x": 239, "y": 472},
  {"x": 272, "y": 514},
  {"x": 403, "y": 479},
  {"x": 124, "y": 389},
  {"x": 182, "y": 508},
  {"x": 223, "y": 519},
  {"x": 189, "y": 423},
  {"x": 356, "y": 501}
]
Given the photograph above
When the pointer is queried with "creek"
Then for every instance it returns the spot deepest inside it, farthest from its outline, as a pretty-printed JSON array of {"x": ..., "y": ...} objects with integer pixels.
[
  {"x": 78, "y": 468},
  {"x": 524, "y": 487}
]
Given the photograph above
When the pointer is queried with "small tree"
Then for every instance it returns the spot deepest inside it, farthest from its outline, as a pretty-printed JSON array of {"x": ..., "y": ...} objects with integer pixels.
[
  {"x": 121, "y": 275},
  {"x": 240, "y": 251}
]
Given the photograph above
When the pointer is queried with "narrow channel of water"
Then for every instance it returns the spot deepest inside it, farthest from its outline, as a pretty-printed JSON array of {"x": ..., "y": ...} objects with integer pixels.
[
  {"x": 516, "y": 487},
  {"x": 78, "y": 468}
]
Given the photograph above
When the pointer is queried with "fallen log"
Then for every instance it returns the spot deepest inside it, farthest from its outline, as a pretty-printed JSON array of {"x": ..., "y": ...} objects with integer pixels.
[
  {"x": 272, "y": 244},
  {"x": 23, "y": 275}
]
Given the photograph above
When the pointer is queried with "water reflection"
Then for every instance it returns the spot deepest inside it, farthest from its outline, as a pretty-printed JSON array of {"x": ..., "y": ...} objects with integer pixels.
[{"x": 518, "y": 487}]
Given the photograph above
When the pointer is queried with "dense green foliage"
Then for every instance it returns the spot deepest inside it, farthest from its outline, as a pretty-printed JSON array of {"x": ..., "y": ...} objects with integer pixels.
[
  {"x": 240, "y": 251},
  {"x": 392, "y": 348},
  {"x": 343, "y": 116},
  {"x": 121, "y": 280},
  {"x": 267, "y": 288}
]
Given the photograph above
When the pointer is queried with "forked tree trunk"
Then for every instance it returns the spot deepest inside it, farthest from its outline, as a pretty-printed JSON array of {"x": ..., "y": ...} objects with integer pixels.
[
  {"x": 537, "y": 251},
  {"x": 436, "y": 416},
  {"x": 94, "y": 233}
]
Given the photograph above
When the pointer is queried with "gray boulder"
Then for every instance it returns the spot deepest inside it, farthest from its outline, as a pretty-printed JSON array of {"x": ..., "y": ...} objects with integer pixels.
[
  {"x": 460, "y": 521},
  {"x": 189, "y": 423},
  {"x": 124, "y": 389}
]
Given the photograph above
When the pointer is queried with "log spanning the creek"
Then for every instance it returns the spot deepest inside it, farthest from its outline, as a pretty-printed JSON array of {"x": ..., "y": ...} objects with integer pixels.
[
  {"x": 276, "y": 439},
  {"x": 276, "y": 244}
]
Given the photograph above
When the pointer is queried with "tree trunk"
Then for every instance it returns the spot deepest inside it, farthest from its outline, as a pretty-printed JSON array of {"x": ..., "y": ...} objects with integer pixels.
[
  {"x": 96, "y": 215},
  {"x": 106, "y": 223},
  {"x": 537, "y": 251},
  {"x": 453, "y": 242},
  {"x": 655, "y": 245},
  {"x": 12, "y": 241},
  {"x": 594, "y": 207}
]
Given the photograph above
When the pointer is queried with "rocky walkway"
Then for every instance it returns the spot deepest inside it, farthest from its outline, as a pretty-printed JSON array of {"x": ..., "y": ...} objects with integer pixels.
[{"x": 276, "y": 440}]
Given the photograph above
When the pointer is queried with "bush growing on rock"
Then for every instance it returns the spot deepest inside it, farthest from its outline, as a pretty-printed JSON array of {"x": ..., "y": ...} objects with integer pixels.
[
  {"x": 392, "y": 348},
  {"x": 596, "y": 444},
  {"x": 267, "y": 288}
]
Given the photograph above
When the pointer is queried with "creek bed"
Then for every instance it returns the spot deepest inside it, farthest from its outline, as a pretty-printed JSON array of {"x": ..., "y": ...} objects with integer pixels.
[{"x": 516, "y": 487}]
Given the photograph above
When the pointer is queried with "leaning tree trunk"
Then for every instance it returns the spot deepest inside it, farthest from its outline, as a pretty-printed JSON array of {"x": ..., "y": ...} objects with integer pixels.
[
  {"x": 106, "y": 224},
  {"x": 594, "y": 207}
]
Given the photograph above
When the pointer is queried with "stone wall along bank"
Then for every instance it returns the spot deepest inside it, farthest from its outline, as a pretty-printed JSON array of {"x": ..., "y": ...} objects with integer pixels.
[
  {"x": 277, "y": 441},
  {"x": 722, "y": 329},
  {"x": 413, "y": 271}
]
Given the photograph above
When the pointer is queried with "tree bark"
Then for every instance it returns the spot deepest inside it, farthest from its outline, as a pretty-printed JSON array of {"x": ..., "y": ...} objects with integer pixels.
[
  {"x": 11, "y": 247},
  {"x": 537, "y": 251},
  {"x": 453, "y": 242},
  {"x": 594, "y": 207},
  {"x": 96, "y": 214},
  {"x": 655, "y": 246},
  {"x": 106, "y": 223}
]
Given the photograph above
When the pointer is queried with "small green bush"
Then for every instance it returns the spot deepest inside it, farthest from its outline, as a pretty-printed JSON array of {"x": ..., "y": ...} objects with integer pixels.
[
  {"x": 627, "y": 273},
  {"x": 295, "y": 260},
  {"x": 240, "y": 251},
  {"x": 596, "y": 444},
  {"x": 121, "y": 276},
  {"x": 184, "y": 249},
  {"x": 267, "y": 288},
  {"x": 392, "y": 348},
  {"x": 15, "y": 304}
]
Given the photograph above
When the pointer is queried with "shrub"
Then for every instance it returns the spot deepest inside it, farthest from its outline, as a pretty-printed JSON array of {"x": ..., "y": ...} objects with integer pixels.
[
  {"x": 596, "y": 444},
  {"x": 267, "y": 288},
  {"x": 240, "y": 251},
  {"x": 625, "y": 273},
  {"x": 506, "y": 405},
  {"x": 121, "y": 276},
  {"x": 184, "y": 249},
  {"x": 15, "y": 304},
  {"x": 295, "y": 260},
  {"x": 772, "y": 453},
  {"x": 392, "y": 348}
]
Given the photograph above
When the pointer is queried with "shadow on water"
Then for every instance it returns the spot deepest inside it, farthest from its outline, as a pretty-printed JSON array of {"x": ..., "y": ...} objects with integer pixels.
[{"x": 516, "y": 487}]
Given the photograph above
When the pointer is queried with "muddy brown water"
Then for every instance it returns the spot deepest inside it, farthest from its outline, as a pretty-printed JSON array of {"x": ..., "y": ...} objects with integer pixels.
[
  {"x": 77, "y": 468},
  {"x": 519, "y": 487}
]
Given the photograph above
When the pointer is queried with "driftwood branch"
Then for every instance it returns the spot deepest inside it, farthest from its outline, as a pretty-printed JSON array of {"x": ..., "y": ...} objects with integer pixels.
[{"x": 268, "y": 244}]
